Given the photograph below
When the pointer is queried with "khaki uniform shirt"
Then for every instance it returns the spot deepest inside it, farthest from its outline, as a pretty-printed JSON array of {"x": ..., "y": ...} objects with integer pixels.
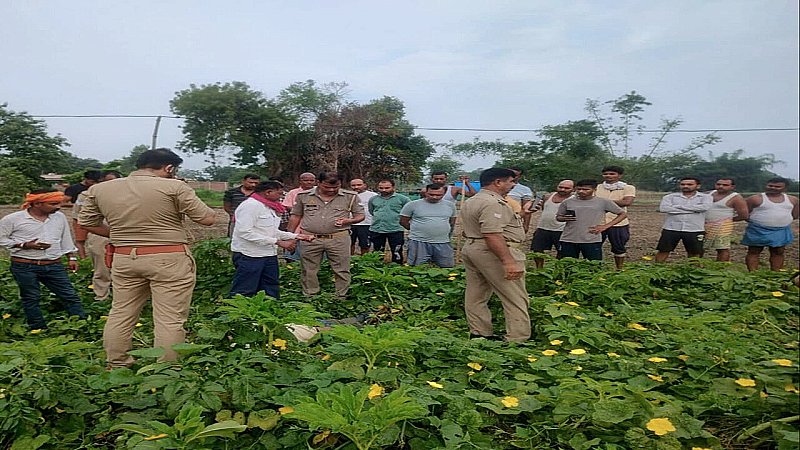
[
  {"x": 488, "y": 212},
  {"x": 318, "y": 217},
  {"x": 143, "y": 209}
]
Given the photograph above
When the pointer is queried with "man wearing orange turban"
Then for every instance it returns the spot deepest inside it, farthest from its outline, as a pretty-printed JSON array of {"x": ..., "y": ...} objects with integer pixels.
[{"x": 37, "y": 238}]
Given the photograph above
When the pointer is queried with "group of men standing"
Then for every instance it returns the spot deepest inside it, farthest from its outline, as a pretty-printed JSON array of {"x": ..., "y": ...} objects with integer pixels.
[{"x": 140, "y": 218}]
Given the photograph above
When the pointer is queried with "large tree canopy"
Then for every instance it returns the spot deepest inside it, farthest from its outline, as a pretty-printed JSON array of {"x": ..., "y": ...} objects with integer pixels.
[{"x": 307, "y": 127}]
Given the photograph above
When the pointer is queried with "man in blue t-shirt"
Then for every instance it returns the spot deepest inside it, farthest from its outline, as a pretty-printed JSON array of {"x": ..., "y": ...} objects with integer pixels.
[{"x": 430, "y": 221}]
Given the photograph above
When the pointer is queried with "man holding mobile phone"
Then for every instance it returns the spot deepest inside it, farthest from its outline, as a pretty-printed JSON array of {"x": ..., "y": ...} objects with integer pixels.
[
  {"x": 38, "y": 237},
  {"x": 584, "y": 215}
]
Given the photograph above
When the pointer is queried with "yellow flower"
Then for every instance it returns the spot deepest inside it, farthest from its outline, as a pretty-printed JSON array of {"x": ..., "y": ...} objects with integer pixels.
[
  {"x": 138, "y": 324},
  {"x": 414, "y": 285},
  {"x": 783, "y": 362},
  {"x": 577, "y": 351},
  {"x": 636, "y": 326},
  {"x": 375, "y": 391},
  {"x": 452, "y": 274},
  {"x": 660, "y": 426},
  {"x": 647, "y": 258},
  {"x": 683, "y": 358},
  {"x": 558, "y": 283},
  {"x": 745, "y": 382},
  {"x": 777, "y": 294},
  {"x": 475, "y": 366},
  {"x": 103, "y": 317},
  {"x": 510, "y": 402},
  {"x": 656, "y": 378},
  {"x": 571, "y": 303},
  {"x": 451, "y": 278},
  {"x": 556, "y": 342},
  {"x": 790, "y": 388},
  {"x": 6, "y": 316},
  {"x": 578, "y": 368},
  {"x": 153, "y": 390},
  {"x": 612, "y": 354},
  {"x": 435, "y": 385},
  {"x": 579, "y": 317},
  {"x": 763, "y": 394},
  {"x": 549, "y": 352},
  {"x": 608, "y": 314},
  {"x": 532, "y": 358},
  {"x": 155, "y": 437},
  {"x": 279, "y": 343},
  {"x": 470, "y": 373},
  {"x": 36, "y": 331},
  {"x": 561, "y": 292},
  {"x": 326, "y": 357},
  {"x": 289, "y": 266},
  {"x": 285, "y": 410},
  {"x": 656, "y": 359},
  {"x": 700, "y": 448}
]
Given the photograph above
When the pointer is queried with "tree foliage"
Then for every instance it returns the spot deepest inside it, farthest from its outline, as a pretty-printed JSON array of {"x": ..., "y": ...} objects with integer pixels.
[
  {"x": 26, "y": 147},
  {"x": 580, "y": 149},
  {"x": 307, "y": 127}
]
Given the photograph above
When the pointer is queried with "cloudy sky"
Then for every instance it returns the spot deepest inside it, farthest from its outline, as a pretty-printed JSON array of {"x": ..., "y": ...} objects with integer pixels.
[{"x": 456, "y": 64}]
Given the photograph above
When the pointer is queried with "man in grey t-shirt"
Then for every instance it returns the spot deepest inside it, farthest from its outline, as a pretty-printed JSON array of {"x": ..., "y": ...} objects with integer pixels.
[
  {"x": 584, "y": 216},
  {"x": 430, "y": 221}
]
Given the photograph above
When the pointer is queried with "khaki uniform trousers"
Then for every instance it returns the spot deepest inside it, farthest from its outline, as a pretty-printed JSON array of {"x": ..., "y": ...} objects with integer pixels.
[
  {"x": 101, "y": 277},
  {"x": 337, "y": 248},
  {"x": 168, "y": 278},
  {"x": 485, "y": 274}
]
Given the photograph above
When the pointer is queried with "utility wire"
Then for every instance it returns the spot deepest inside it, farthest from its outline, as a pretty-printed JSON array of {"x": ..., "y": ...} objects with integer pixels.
[{"x": 497, "y": 130}]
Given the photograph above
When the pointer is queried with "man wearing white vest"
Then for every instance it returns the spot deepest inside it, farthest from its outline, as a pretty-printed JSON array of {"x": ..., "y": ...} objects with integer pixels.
[
  {"x": 727, "y": 208},
  {"x": 770, "y": 224}
]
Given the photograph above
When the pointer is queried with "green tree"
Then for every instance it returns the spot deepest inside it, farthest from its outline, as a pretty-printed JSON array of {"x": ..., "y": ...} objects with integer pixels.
[
  {"x": 26, "y": 147},
  {"x": 233, "y": 118},
  {"x": 750, "y": 173},
  {"x": 13, "y": 185},
  {"x": 443, "y": 163},
  {"x": 127, "y": 164}
]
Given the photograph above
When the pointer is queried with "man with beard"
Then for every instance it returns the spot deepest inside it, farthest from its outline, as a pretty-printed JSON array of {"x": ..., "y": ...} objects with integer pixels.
[
  {"x": 685, "y": 219},
  {"x": 770, "y": 224}
]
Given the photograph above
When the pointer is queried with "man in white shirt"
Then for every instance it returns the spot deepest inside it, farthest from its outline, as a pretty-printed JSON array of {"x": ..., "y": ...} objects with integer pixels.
[
  {"x": 685, "y": 219},
  {"x": 255, "y": 240},
  {"x": 37, "y": 237},
  {"x": 523, "y": 195},
  {"x": 359, "y": 232}
]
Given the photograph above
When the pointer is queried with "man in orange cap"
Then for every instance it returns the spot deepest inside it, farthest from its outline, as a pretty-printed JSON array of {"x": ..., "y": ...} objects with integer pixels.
[{"x": 37, "y": 238}]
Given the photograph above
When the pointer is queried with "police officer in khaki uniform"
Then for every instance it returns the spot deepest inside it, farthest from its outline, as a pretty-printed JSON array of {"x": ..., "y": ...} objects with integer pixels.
[
  {"x": 326, "y": 211},
  {"x": 144, "y": 214},
  {"x": 493, "y": 258},
  {"x": 95, "y": 245}
]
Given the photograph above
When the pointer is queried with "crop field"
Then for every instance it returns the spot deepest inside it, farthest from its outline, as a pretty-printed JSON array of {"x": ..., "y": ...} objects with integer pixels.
[{"x": 678, "y": 356}]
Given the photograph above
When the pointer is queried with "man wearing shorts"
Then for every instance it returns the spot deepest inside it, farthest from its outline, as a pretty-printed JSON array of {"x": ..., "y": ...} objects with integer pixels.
[
  {"x": 430, "y": 221},
  {"x": 770, "y": 224},
  {"x": 585, "y": 215},
  {"x": 685, "y": 219},
  {"x": 623, "y": 195},
  {"x": 728, "y": 207},
  {"x": 548, "y": 233}
]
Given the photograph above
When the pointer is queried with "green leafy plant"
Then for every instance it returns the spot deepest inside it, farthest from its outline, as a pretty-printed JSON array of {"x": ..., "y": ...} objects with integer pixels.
[{"x": 349, "y": 412}]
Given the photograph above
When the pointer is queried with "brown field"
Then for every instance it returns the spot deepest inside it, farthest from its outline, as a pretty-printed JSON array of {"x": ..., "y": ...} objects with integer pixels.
[{"x": 645, "y": 230}]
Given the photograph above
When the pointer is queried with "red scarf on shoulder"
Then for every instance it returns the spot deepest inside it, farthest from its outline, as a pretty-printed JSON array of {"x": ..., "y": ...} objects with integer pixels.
[{"x": 277, "y": 206}]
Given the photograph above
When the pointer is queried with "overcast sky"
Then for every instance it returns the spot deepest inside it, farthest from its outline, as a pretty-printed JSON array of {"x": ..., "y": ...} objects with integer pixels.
[{"x": 456, "y": 64}]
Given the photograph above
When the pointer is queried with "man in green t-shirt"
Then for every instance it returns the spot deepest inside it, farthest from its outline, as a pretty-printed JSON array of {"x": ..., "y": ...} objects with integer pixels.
[{"x": 385, "y": 209}]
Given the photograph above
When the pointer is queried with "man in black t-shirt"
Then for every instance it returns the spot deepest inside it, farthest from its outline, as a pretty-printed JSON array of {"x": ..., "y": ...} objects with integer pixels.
[
  {"x": 90, "y": 177},
  {"x": 236, "y": 195}
]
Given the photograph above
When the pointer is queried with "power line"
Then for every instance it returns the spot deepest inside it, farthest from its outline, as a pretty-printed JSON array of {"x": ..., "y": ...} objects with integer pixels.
[{"x": 495, "y": 130}]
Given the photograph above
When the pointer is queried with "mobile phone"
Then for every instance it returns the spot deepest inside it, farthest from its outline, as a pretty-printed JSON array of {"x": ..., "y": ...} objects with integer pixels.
[{"x": 569, "y": 213}]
